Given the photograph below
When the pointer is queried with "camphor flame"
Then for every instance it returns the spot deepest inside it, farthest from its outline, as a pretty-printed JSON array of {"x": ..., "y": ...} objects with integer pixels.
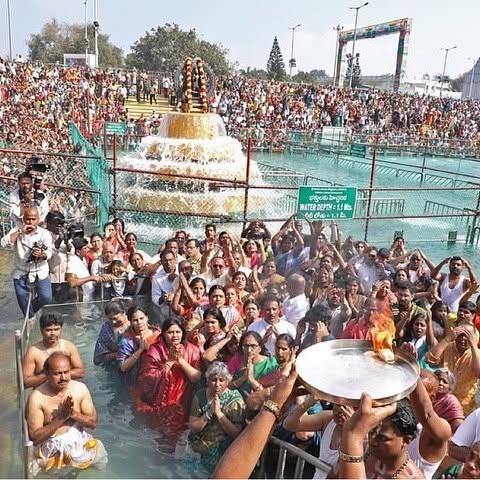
[{"x": 383, "y": 331}]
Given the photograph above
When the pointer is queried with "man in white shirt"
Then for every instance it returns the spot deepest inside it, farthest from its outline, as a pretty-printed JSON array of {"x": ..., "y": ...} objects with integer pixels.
[
  {"x": 217, "y": 268},
  {"x": 467, "y": 434},
  {"x": 33, "y": 249},
  {"x": 77, "y": 274},
  {"x": 24, "y": 196},
  {"x": 296, "y": 305},
  {"x": 163, "y": 286},
  {"x": 368, "y": 271},
  {"x": 272, "y": 324}
]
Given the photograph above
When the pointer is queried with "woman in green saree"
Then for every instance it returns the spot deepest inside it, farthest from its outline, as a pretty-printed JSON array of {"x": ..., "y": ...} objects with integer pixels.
[
  {"x": 217, "y": 416},
  {"x": 252, "y": 367}
]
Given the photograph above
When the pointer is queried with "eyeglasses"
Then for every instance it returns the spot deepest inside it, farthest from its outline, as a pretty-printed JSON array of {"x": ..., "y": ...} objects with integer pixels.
[{"x": 250, "y": 347}]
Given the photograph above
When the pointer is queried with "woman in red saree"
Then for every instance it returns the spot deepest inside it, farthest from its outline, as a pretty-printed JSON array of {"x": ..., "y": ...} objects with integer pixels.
[{"x": 169, "y": 369}]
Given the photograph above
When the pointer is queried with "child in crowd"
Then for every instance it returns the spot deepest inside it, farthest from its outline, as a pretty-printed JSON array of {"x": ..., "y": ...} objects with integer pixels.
[{"x": 119, "y": 279}]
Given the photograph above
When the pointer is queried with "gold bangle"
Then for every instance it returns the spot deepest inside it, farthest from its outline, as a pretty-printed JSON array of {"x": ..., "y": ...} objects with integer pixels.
[
  {"x": 350, "y": 458},
  {"x": 272, "y": 407}
]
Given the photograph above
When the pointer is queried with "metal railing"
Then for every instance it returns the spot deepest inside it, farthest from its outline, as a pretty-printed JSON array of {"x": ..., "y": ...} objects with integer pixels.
[
  {"x": 22, "y": 337},
  {"x": 301, "y": 457}
]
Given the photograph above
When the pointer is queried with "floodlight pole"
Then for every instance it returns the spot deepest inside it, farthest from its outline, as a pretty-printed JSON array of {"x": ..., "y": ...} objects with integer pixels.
[
  {"x": 95, "y": 24},
  {"x": 291, "y": 51},
  {"x": 338, "y": 28},
  {"x": 86, "y": 33},
  {"x": 444, "y": 67},
  {"x": 9, "y": 17},
  {"x": 354, "y": 39}
]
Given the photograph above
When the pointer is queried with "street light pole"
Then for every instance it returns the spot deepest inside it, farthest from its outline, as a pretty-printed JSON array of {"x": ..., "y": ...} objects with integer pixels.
[
  {"x": 444, "y": 67},
  {"x": 338, "y": 28},
  {"x": 9, "y": 16},
  {"x": 95, "y": 25},
  {"x": 291, "y": 51},
  {"x": 471, "y": 76},
  {"x": 354, "y": 38},
  {"x": 86, "y": 33}
]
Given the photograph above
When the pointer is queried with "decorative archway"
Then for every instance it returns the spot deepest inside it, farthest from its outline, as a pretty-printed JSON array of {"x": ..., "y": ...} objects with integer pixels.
[{"x": 402, "y": 26}]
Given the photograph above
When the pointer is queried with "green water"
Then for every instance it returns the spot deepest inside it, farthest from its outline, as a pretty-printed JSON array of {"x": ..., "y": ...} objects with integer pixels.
[
  {"x": 421, "y": 230},
  {"x": 133, "y": 448}
]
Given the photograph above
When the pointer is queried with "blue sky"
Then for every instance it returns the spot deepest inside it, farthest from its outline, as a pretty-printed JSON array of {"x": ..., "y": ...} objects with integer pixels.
[{"x": 247, "y": 28}]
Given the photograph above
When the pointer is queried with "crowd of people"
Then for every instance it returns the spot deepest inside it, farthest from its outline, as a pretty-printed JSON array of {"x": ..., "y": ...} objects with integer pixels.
[
  {"x": 37, "y": 101},
  {"x": 205, "y": 334},
  {"x": 268, "y": 111},
  {"x": 206, "y": 331}
]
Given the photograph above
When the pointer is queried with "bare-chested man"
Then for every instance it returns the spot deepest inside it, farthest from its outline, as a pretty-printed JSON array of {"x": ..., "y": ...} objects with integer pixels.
[
  {"x": 51, "y": 325},
  {"x": 57, "y": 413}
]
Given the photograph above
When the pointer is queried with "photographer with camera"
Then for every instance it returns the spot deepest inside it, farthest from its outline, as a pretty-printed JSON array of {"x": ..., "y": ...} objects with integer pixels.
[
  {"x": 25, "y": 196},
  {"x": 33, "y": 249},
  {"x": 62, "y": 247}
]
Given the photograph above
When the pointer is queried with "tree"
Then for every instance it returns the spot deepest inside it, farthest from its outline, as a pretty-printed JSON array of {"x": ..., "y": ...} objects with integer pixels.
[
  {"x": 165, "y": 48},
  {"x": 55, "y": 39},
  {"x": 457, "y": 83},
  {"x": 255, "y": 73},
  {"x": 275, "y": 64},
  {"x": 313, "y": 76}
]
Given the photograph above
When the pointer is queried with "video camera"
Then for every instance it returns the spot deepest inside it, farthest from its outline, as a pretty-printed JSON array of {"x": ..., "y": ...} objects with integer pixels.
[
  {"x": 31, "y": 258},
  {"x": 66, "y": 230},
  {"x": 37, "y": 168}
]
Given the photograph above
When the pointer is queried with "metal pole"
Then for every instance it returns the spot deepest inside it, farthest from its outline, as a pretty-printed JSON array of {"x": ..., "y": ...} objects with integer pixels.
[
  {"x": 96, "y": 32},
  {"x": 372, "y": 178},
  {"x": 247, "y": 181},
  {"x": 9, "y": 16},
  {"x": 354, "y": 39},
  {"x": 353, "y": 49},
  {"x": 114, "y": 164},
  {"x": 444, "y": 67},
  {"x": 337, "y": 28},
  {"x": 475, "y": 218},
  {"x": 86, "y": 33},
  {"x": 291, "y": 51}
]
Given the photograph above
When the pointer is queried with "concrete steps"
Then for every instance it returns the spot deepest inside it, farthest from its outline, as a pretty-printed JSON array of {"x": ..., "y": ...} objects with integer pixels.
[{"x": 135, "y": 110}]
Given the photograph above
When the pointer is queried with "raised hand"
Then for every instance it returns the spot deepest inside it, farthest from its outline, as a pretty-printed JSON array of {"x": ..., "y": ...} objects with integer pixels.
[{"x": 367, "y": 417}]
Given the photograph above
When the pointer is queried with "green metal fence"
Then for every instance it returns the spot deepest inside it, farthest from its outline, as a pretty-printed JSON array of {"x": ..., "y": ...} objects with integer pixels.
[{"x": 97, "y": 170}]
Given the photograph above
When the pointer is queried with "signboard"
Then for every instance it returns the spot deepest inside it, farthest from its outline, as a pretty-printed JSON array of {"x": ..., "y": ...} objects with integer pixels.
[
  {"x": 118, "y": 128},
  {"x": 327, "y": 203},
  {"x": 358, "y": 150}
]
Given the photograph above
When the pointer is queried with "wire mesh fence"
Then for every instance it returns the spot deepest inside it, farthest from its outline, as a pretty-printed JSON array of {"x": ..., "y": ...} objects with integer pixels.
[
  {"x": 430, "y": 198},
  {"x": 67, "y": 182}
]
